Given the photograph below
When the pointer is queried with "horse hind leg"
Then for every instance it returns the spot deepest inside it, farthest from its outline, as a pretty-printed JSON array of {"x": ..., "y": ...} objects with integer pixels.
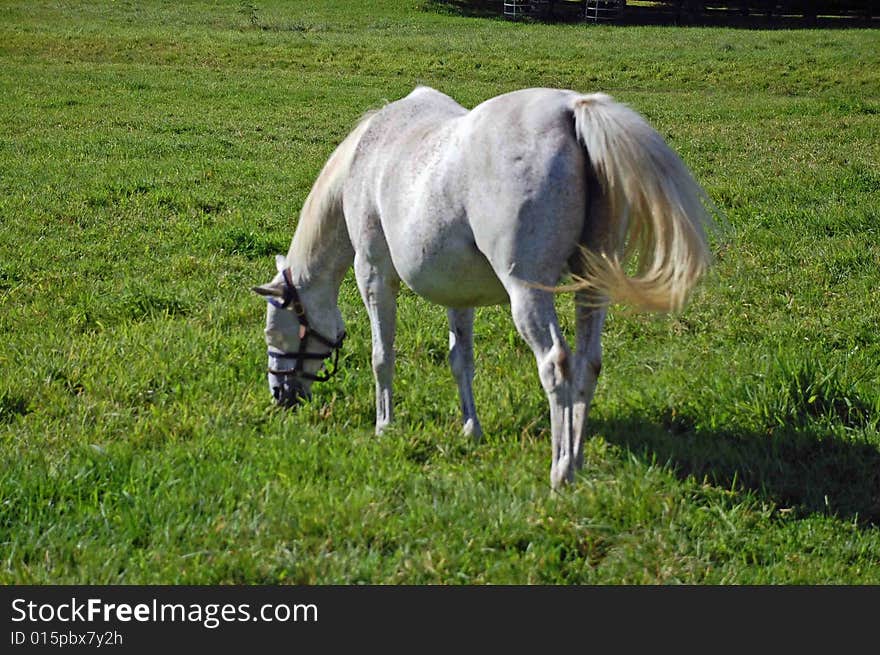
[
  {"x": 535, "y": 318},
  {"x": 590, "y": 311},
  {"x": 461, "y": 361},
  {"x": 590, "y": 319}
]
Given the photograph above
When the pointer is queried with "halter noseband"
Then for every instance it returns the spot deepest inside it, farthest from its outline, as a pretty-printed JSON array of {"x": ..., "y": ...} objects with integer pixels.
[{"x": 292, "y": 300}]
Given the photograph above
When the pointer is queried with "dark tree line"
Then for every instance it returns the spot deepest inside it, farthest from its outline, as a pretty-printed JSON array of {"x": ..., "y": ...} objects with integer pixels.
[{"x": 807, "y": 8}]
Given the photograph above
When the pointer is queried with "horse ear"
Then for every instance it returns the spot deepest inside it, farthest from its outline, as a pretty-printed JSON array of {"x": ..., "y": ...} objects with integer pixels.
[
  {"x": 270, "y": 289},
  {"x": 274, "y": 288}
]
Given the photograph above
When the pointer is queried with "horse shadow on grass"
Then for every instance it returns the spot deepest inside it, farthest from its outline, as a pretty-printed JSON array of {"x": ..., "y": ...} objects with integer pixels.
[{"x": 796, "y": 468}]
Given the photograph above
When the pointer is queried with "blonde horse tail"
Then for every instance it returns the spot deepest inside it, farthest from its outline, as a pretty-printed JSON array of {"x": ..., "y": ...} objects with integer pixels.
[{"x": 656, "y": 213}]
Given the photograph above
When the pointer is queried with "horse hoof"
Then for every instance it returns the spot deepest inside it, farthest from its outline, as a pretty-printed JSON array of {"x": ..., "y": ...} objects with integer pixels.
[
  {"x": 561, "y": 473},
  {"x": 472, "y": 429}
]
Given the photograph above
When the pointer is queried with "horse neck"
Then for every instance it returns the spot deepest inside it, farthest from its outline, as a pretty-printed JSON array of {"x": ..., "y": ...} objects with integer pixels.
[{"x": 321, "y": 251}]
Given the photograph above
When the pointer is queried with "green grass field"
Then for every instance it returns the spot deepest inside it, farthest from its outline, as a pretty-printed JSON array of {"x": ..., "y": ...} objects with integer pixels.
[{"x": 153, "y": 159}]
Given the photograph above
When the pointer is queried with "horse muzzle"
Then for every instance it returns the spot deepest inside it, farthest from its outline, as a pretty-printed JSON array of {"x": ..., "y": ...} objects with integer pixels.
[{"x": 287, "y": 391}]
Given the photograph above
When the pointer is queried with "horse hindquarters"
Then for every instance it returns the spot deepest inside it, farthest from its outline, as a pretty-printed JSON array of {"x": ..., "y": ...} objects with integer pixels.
[
  {"x": 642, "y": 200},
  {"x": 527, "y": 218}
]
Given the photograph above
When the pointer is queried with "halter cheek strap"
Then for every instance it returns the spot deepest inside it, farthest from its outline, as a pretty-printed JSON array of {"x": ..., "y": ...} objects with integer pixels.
[{"x": 292, "y": 300}]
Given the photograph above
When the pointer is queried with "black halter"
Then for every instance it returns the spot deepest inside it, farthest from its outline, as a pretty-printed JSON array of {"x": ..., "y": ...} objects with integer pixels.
[{"x": 292, "y": 300}]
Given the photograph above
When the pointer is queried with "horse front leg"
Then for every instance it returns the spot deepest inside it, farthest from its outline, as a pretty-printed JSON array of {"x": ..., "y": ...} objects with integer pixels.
[
  {"x": 587, "y": 365},
  {"x": 461, "y": 361},
  {"x": 378, "y": 285},
  {"x": 535, "y": 318}
]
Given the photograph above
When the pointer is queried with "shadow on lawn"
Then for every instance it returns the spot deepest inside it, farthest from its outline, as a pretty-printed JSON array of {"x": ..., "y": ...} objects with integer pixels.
[{"x": 798, "y": 468}]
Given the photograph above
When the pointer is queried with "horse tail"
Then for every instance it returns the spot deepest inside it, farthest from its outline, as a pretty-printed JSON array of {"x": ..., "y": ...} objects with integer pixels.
[{"x": 656, "y": 213}]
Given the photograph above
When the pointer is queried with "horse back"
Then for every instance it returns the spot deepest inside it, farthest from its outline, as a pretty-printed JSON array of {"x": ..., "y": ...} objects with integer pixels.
[{"x": 457, "y": 199}]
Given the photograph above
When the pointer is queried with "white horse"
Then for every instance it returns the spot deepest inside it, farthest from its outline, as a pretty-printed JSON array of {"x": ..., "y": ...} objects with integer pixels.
[{"x": 483, "y": 207}]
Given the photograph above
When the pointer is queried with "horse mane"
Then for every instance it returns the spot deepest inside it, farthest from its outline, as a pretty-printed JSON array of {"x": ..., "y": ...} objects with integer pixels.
[{"x": 325, "y": 197}]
